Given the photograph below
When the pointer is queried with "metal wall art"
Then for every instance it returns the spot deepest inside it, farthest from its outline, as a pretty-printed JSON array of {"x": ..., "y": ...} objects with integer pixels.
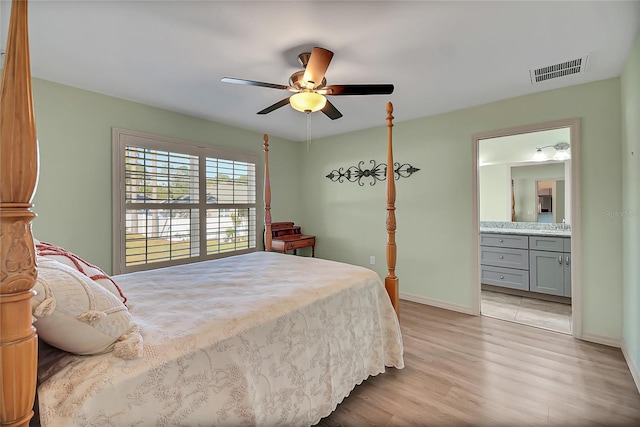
[{"x": 377, "y": 172}]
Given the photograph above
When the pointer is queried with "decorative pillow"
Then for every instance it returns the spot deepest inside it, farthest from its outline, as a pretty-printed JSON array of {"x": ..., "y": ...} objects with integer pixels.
[
  {"x": 74, "y": 261},
  {"x": 75, "y": 314}
]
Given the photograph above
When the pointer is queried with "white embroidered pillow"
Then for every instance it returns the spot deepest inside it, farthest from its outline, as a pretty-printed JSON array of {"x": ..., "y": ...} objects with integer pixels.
[
  {"x": 77, "y": 315},
  {"x": 72, "y": 260}
]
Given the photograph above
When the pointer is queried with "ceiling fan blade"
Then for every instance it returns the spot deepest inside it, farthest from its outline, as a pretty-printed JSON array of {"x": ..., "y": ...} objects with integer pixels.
[
  {"x": 379, "y": 89},
  {"x": 253, "y": 83},
  {"x": 331, "y": 111},
  {"x": 317, "y": 66},
  {"x": 274, "y": 106}
]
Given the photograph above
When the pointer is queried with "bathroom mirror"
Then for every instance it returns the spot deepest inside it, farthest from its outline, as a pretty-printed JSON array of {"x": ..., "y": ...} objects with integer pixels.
[{"x": 514, "y": 188}]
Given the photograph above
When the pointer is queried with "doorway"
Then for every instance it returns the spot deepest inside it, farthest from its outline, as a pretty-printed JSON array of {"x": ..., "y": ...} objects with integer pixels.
[{"x": 524, "y": 189}]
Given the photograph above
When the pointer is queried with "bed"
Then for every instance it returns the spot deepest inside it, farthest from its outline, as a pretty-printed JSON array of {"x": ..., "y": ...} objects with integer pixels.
[
  {"x": 221, "y": 342},
  {"x": 261, "y": 349}
]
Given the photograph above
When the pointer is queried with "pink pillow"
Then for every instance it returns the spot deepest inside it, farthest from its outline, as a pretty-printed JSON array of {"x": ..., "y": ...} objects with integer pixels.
[{"x": 74, "y": 261}]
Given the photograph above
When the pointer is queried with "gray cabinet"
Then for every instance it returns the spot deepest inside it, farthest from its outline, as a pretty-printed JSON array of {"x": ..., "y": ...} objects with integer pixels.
[
  {"x": 504, "y": 260},
  {"x": 550, "y": 265},
  {"x": 529, "y": 263},
  {"x": 567, "y": 266}
]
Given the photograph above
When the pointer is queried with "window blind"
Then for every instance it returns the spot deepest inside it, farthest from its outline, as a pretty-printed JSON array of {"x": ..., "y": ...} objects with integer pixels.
[{"x": 182, "y": 203}]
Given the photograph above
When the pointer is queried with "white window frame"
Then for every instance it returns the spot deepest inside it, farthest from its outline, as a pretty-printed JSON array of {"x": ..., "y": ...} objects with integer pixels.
[{"x": 121, "y": 138}]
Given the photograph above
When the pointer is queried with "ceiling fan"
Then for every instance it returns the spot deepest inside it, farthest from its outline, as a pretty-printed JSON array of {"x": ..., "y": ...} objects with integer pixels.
[{"x": 310, "y": 86}]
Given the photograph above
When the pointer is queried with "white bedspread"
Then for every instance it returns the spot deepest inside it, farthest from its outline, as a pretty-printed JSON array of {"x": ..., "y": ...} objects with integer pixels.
[{"x": 257, "y": 339}]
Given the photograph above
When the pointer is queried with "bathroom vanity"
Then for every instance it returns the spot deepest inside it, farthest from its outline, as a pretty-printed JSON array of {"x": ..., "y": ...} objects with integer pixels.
[{"x": 527, "y": 259}]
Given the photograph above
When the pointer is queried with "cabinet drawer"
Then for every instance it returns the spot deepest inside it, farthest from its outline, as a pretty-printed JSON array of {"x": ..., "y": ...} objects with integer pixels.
[
  {"x": 505, "y": 277},
  {"x": 567, "y": 244},
  {"x": 546, "y": 243},
  {"x": 297, "y": 244},
  {"x": 504, "y": 257},
  {"x": 504, "y": 240}
]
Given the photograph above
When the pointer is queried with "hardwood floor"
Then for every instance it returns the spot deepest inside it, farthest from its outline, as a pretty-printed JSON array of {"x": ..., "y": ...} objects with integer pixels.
[{"x": 465, "y": 370}]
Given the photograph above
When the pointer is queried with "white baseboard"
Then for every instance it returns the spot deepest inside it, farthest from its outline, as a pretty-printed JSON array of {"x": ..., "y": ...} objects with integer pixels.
[
  {"x": 635, "y": 372},
  {"x": 601, "y": 339},
  {"x": 437, "y": 303}
]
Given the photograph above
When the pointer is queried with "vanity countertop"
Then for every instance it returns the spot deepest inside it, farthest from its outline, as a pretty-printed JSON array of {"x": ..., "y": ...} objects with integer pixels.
[{"x": 526, "y": 231}]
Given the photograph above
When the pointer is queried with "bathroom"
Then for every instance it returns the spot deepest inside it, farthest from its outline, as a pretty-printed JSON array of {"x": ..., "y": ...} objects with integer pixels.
[{"x": 524, "y": 196}]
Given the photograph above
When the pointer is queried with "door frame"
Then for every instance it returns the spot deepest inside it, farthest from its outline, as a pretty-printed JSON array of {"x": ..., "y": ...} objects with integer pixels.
[{"x": 575, "y": 215}]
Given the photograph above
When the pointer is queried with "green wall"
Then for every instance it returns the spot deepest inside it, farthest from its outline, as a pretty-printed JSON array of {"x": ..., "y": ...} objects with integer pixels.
[
  {"x": 435, "y": 205},
  {"x": 494, "y": 192},
  {"x": 630, "y": 83},
  {"x": 73, "y": 198}
]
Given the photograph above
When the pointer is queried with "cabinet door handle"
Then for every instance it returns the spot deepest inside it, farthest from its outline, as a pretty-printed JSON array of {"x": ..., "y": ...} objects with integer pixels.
[
  {"x": 567, "y": 259},
  {"x": 560, "y": 259},
  {"x": 501, "y": 257},
  {"x": 502, "y": 277},
  {"x": 501, "y": 240}
]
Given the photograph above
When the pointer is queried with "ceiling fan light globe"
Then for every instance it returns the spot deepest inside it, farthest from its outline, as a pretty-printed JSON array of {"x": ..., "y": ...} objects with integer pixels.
[{"x": 307, "y": 102}]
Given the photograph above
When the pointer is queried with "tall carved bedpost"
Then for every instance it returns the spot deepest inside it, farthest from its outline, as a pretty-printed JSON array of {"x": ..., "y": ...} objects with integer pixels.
[
  {"x": 391, "y": 281},
  {"x": 18, "y": 178},
  {"x": 267, "y": 197}
]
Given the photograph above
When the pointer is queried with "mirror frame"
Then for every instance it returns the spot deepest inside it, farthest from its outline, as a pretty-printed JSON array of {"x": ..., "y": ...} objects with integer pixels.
[
  {"x": 575, "y": 214},
  {"x": 540, "y": 176}
]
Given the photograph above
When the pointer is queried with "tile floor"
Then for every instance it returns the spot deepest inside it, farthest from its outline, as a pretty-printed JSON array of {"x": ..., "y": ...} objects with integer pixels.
[{"x": 529, "y": 311}]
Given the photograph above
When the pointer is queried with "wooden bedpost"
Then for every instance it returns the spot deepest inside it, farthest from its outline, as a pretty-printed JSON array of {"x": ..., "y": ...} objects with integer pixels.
[
  {"x": 267, "y": 197},
  {"x": 18, "y": 178},
  {"x": 391, "y": 281}
]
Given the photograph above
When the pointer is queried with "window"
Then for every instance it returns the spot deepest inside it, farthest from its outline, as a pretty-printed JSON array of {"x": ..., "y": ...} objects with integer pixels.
[{"x": 177, "y": 202}]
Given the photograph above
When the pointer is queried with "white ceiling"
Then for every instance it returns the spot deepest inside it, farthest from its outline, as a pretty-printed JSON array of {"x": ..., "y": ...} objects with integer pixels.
[
  {"x": 520, "y": 148},
  {"x": 441, "y": 56}
]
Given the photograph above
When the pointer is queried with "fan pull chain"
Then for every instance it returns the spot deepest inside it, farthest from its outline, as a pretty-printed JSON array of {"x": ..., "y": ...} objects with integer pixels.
[{"x": 308, "y": 130}]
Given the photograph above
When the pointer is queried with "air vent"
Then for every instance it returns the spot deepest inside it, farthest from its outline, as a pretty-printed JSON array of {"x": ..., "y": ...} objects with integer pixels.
[{"x": 562, "y": 69}]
